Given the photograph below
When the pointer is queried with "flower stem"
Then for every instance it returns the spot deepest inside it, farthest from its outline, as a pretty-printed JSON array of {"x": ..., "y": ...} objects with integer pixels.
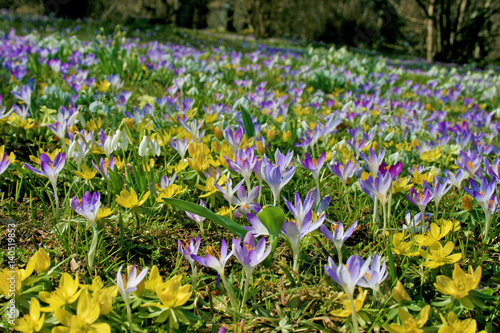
[
  {"x": 230, "y": 293},
  {"x": 129, "y": 317},
  {"x": 375, "y": 211},
  {"x": 245, "y": 290},
  {"x": 92, "y": 249},
  {"x": 56, "y": 199},
  {"x": 346, "y": 198},
  {"x": 296, "y": 262},
  {"x": 194, "y": 277},
  {"x": 384, "y": 212},
  {"x": 486, "y": 227},
  {"x": 354, "y": 318}
]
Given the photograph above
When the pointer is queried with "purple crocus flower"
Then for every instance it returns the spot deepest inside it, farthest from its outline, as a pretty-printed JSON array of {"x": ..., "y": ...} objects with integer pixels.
[
  {"x": 246, "y": 201},
  {"x": 4, "y": 163},
  {"x": 357, "y": 145},
  {"x": 188, "y": 250},
  {"x": 373, "y": 161},
  {"x": 414, "y": 224},
  {"x": 105, "y": 166},
  {"x": 295, "y": 233},
  {"x": 24, "y": 94},
  {"x": 420, "y": 198},
  {"x": 313, "y": 165},
  {"x": 282, "y": 160},
  {"x": 348, "y": 275},
  {"x": 132, "y": 282},
  {"x": 378, "y": 187},
  {"x": 233, "y": 137},
  {"x": 482, "y": 193},
  {"x": 49, "y": 168},
  {"x": 197, "y": 218},
  {"x": 276, "y": 178},
  {"x": 244, "y": 163},
  {"x": 375, "y": 275},
  {"x": 257, "y": 228},
  {"x": 249, "y": 254},
  {"x": 88, "y": 206},
  {"x": 58, "y": 130},
  {"x": 455, "y": 178},
  {"x": 438, "y": 189},
  {"x": 228, "y": 191},
  {"x": 338, "y": 236},
  {"x": 469, "y": 162},
  {"x": 301, "y": 208},
  {"x": 209, "y": 260},
  {"x": 394, "y": 170},
  {"x": 493, "y": 170},
  {"x": 344, "y": 172}
]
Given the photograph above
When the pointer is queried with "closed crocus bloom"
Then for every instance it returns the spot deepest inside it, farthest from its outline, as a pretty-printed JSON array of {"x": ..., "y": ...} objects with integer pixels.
[
  {"x": 88, "y": 206},
  {"x": 4, "y": 163},
  {"x": 373, "y": 161}
]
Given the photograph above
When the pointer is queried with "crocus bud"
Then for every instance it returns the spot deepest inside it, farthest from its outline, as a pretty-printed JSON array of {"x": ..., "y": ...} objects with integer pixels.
[
  {"x": 217, "y": 132},
  {"x": 287, "y": 135}
]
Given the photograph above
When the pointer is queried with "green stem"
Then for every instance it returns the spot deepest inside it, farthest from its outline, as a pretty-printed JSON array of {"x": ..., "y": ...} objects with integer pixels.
[
  {"x": 92, "y": 250},
  {"x": 129, "y": 316},
  {"x": 230, "y": 293},
  {"x": 56, "y": 199},
  {"x": 346, "y": 198},
  {"x": 245, "y": 290},
  {"x": 384, "y": 212},
  {"x": 296, "y": 261},
  {"x": 487, "y": 227},
  {"x": 194, "y": 277},
  {"x": 354, "y": 318},
  {"x": 137, "y": 219}
]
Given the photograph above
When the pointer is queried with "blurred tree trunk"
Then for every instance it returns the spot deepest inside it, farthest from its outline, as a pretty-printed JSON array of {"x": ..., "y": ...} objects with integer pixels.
[{"x": 66, "y": 8}]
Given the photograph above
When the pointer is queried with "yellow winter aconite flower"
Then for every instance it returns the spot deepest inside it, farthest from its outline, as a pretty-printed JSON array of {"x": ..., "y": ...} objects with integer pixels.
[
  {"x": 86, "y": 173},
  {"x": 178, "y": 167},
  {"x": 431, "y": 155},
  {"x": 87, "y": 313},
  {"x": 461, "y": 284},
  {"x": 103, "y": 86},
  {"x": 104, "y": 212},
  {"x": 347, "y": 310},
  {"x": 93, "y": 125},
  {"x": 154, "y": 279},
  {"x": 436, "y": 233},
  {"x": 31, "y": 322},
  {"x": 399, "y": 293},
  {"x": 224, "y": 211},
  {"x": 11, "y": 156},
  {"x": 41, "y": 260},
  {"x": 209, "y": 187},
  {"x": 104, "y": 297},
  {"x": 399, "y": 246},
  {"x": 171, "y": 293},
  {"x": 401, "y": 185},
  {"x": 67, "y": 293},
  {"x": 410, "y": 324},
  {"x": 169, "y": 192},
  {"x": 129, "y": 199},
  {"x": 418, "y": 178},
  {"x": 453, "y": 325},
  {"x": 440, "y": 255},
  {"x": 467, "y": 202}
]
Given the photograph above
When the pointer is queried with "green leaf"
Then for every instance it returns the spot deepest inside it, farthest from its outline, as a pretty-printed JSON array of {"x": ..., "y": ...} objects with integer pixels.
[
  {"x": 230, "y": 225},
  {"x": 273, "y": 219},
  {"x": 247, "y": 122},
  {"x": 289, "y": 276}
]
